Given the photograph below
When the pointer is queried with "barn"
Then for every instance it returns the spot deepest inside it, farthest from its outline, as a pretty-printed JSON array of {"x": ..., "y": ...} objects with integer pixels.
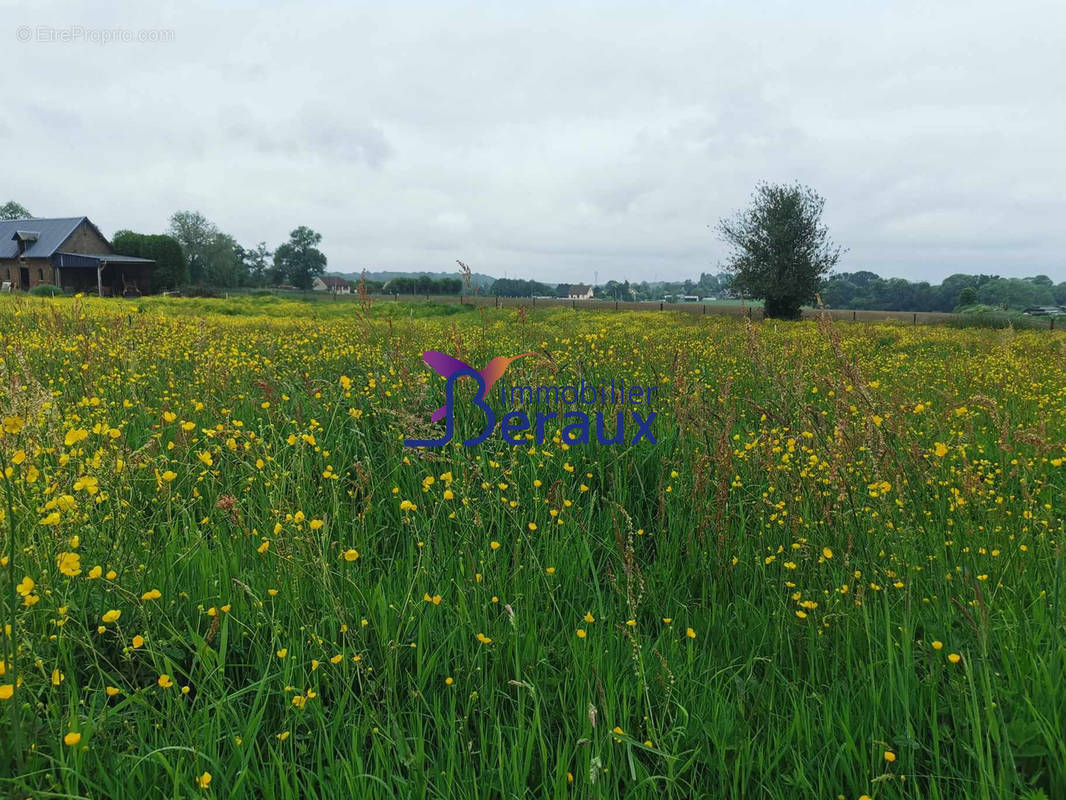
[{"x": 68, "y": 252}]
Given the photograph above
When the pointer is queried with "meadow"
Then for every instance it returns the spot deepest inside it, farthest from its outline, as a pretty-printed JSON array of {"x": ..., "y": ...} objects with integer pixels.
[{"x": 838, "y": 573}]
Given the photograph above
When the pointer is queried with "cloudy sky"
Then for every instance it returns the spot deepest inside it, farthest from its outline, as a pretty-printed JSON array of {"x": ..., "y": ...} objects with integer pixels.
[{"x": 557, "y": 141}]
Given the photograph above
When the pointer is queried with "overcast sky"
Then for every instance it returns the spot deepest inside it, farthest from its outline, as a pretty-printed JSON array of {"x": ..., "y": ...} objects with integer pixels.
[{"x": 551, "y": 141}]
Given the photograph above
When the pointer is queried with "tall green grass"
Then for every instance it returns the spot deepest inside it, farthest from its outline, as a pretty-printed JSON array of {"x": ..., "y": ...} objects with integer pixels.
[{"x": 701, "y": 674}]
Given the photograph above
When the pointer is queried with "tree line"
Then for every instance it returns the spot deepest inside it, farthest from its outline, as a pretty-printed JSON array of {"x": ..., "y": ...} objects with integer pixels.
[
  {"x": 195, "y": 251},
  {"x": 780, "y": 252},
  {"x": 422, "y": 284},
  {"x": 866, "y": 290}
]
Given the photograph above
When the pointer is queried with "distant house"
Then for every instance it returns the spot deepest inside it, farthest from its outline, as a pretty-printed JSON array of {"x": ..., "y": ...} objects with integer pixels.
[
  {"x": 70, "y": 253},
  {"x": 579, "y": 291},
  {"x": 331, "y": 284}
]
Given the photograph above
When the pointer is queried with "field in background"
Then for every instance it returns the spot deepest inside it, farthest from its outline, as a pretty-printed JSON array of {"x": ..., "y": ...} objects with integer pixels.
[
  {"x": 737, "y": 308},
  {"x": 838, "y": 573}
]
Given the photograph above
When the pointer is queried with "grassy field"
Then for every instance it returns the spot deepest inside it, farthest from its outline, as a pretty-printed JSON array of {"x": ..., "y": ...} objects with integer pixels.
[{"x": 838, "y": 573}]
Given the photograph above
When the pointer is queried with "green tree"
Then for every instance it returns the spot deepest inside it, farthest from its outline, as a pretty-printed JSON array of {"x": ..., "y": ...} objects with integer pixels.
[
  {"x": 1014, "y": 293},
  {"x": 299, "y": 260},
  {"x": 13, "y": 210},
  {"x": 170, "y": 269},
  {"x": 257, "y": 264},
  {"x": 512, "y": 287},
  {"x": 223, "y": 263},
  {"x": 195, "y": 233},
  {"x": 214, "y": 258},
  {"x": 780, "y": 248},
  {"x": 968, "y": 297}
]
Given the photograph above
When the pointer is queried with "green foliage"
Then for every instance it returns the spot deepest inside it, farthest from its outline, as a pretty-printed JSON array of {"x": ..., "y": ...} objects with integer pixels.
[
  {"x": 516, "y": 287},
  {"x": 983, "y": 316},
  {"x": 1016, "y": 293},
  {"x": 866, "y": 290},
  {"x": 424, "y": 284},
  {"x": 968, "y": 296},
  {"x": 930, "y": 581},
  {"x": 780, "y": 248},
  {"x": 214, "y": 258},
  {"x": 257, "y": 264},
  {"x": 380, "y": 277},
  {"x": 299, "y": 260},
  {"x": 170, "y": 268},
  {"x": 13, "y": 210},
  {"x": 200, "y": 290},
  {"x": 45, "y": 290},
  {"x": 614, "y": 290}
]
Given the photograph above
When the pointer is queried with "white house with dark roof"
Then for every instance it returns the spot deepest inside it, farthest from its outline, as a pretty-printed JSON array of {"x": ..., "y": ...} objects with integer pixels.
[
  {"x": 331, "y": 283},
  {"x": 68, "y": 252}
]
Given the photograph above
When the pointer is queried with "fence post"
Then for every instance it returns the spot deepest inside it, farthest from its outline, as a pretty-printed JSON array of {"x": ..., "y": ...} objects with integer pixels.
[
  {"x": 616, "y": 306},
  {"x": 660, "y": 305},
  {"x": 1052, "y": 323},
  {"x": 573, "y": 304},
  {"x": 534, "y": 304},
  {"x": 497, "y": 301},
  {"x": 853, "y": 316},
  {"x": 915, "y": 319}
]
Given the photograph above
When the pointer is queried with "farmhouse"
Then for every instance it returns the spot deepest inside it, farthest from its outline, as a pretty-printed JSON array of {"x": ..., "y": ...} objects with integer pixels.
[
  {"x": 70, "y": 253},
  {"x": 332, "y": 284},
  {"x": 579, "y": 291}
]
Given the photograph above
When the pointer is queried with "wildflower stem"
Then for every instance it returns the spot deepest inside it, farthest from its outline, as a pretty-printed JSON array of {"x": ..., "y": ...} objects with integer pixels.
[{"x": 12, "y": 607}]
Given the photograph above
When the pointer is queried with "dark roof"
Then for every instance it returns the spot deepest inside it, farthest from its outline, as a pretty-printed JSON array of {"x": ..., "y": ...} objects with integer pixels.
[
  {"x": 93, "y": 260},
  {"x": 51, "y": 233},
  {"x": 334, "y": 282},
  {"x": 579, "y": 288},
  {"x": 112, "y": 257}
]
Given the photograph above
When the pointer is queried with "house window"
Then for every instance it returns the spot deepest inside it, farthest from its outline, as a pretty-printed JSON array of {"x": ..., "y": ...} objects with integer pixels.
[{"x": 40, "y": 273}]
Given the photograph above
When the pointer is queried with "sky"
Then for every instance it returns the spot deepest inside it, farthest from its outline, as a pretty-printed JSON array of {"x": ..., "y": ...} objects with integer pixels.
[{"x": 563, "y": 142}]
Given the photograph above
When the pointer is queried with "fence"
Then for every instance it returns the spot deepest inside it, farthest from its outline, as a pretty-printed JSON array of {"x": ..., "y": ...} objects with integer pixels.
[
  {"x": 721, "y": 309},
  {"x": 728, "y": 309}
]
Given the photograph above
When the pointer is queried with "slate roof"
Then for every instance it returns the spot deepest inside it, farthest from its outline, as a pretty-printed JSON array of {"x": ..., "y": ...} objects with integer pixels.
[
  {"x": 111, "y": 257},
  {"x": 94, "y": 260},
  {"x": 334, "y": 282},
  {"x": 51, "y": 233}
]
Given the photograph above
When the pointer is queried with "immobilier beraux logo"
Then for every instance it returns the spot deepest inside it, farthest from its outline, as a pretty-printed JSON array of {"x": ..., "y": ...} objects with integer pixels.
[{"x": 565, "y": 400}]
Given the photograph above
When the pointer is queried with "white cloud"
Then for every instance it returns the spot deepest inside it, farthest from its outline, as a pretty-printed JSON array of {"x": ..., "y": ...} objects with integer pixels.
[{"x": 554, "y": 140}]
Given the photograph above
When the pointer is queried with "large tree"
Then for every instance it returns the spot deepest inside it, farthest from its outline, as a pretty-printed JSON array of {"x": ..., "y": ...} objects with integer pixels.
[
  {"x": 223, "y": 262},
  {"x": 299, "y": 261},
  {"x": 214, "y": 258},
  {"x": 780, "y": 248},
  {"x": 13, "y": 210},
  {"x": 257, "y": 264},
  {"x": 195, "y": 232}
]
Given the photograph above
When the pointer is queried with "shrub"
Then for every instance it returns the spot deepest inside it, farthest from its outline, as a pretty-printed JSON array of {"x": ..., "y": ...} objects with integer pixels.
[
  {"x": 985, "y": 317},
  {"x": 45, "y": 290}
]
